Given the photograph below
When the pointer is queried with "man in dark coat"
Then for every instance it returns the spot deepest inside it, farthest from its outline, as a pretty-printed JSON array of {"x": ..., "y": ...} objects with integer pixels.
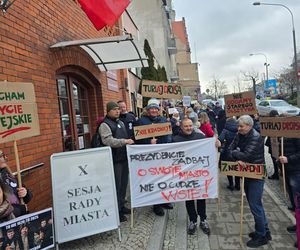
[
  {"x": 152, "y": 117},
  {"x": 248, "y": 147},
  {"x": 127, "y": 118},
  {"x": 187, "y": 133},
  {"x": 114, "y": 134},
  {"x": 291, "y": 159}
]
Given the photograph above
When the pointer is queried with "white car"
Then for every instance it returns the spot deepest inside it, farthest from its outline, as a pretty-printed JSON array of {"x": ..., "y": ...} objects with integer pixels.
[{"x": 282, "y": 107}]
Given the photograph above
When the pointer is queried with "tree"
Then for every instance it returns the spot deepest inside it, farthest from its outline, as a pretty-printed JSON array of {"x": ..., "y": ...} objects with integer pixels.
[
  {"x": 251, "y": 76},
  {"x": 287, "y": 77},
  {"x": 150, "y": 72},
  {"x": 217, "y": 88}
]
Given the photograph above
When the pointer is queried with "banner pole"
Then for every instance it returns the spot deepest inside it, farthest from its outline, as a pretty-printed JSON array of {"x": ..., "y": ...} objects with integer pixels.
[
  {"x": 283, "y": 169},
  {"x": 242, "y": 211},
  {"x": 18, "y": 167},
  {"x": 131, "y": 219}
]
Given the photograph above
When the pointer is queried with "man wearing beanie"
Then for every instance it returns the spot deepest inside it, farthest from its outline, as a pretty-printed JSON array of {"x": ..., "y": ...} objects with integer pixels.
[
  {"x": 152, "y": 116},
  {"x": 114, "y": 134}
]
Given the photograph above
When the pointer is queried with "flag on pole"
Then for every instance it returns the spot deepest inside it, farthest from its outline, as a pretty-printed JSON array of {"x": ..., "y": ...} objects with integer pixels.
[{"x": 103, "y": 12}]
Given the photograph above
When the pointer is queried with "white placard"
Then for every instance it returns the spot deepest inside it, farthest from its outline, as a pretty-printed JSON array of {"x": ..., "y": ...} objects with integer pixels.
[
  {"x": 172, "y": 111},
  {"x": 84, "y": 193},
  {"x": 173, "y": 172},
  {"x": 186, "y": 101},
  {"x": 81, "y": 142}
]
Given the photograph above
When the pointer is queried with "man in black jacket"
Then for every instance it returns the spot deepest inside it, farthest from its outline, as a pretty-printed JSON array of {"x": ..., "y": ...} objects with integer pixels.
[
  {"x": 187, "y": 133},
  {"x": 248, "y": 147},
  {"x": 113, "y": 133},
  {"x": 127, "y": 118},
  {"x": 291, "y": 159}
]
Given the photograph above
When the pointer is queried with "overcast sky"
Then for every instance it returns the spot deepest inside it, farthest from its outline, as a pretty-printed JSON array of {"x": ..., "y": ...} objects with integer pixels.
[{"x": 225, "y": 32}]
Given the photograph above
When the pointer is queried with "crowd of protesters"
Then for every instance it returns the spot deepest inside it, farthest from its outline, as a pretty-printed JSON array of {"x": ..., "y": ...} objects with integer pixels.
[{"x": 238, "y": 139}]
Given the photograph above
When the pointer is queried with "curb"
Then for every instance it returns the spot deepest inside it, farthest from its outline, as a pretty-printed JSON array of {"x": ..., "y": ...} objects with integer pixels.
[
  {"x": 156, "y": 239},
  {"x": 281, "y": 206}
]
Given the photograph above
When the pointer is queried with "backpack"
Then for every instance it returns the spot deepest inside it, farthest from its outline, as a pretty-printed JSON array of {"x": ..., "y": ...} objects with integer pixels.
[{"x": 96, "y": 140}]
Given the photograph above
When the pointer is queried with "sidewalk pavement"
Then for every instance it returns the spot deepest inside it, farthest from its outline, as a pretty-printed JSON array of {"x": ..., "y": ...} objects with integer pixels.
[{"x": 169, "y": 232}]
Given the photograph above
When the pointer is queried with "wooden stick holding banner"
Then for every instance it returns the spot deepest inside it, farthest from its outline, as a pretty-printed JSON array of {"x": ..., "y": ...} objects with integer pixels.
[
  {"x": 244, "y": 170},
  {"x": 283, "y": 169},
  {"x": 18, "y": 167},
  {"x": 242, "y": 210}
]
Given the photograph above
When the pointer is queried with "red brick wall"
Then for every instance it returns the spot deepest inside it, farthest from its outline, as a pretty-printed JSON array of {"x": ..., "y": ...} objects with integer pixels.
[{"x": 26, "y": 32}]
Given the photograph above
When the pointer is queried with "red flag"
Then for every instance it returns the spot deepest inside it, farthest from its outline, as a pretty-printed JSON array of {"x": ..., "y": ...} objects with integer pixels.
[{"x": 103, "y": 12}]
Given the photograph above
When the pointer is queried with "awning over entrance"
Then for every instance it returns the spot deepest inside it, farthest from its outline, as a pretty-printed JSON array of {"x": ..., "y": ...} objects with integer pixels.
[{"x": 110, "y": 53}]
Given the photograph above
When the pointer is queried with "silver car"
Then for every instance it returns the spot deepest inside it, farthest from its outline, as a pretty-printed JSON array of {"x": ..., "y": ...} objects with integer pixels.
[{"x": 264, "y": 107}]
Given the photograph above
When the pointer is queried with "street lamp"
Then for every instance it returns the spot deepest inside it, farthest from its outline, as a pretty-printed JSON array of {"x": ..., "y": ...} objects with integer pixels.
[
  {"x": 266, "y": 64},
  {"x": 294, "y": 44}
]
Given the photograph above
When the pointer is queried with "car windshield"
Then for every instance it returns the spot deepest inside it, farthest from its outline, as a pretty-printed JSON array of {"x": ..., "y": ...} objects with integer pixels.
[{"x": 278, "y": 103}]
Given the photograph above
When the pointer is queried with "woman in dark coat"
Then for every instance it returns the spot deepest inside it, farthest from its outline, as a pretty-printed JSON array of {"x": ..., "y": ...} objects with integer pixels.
[{"x": 226, "y": 138}]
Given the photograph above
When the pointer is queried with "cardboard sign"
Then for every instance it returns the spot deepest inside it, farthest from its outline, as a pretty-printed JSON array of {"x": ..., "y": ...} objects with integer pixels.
[
  {"x": 173, "y": 172},
  {"x": 161, "y": 90},
  {"x": 139, "y": 101},
  {"x": 240, "y": 104},
  {"x": 254, "y": 171},
  {"x": 84, "y": 193},
  {"x": 186, "y": 101},
  {"x": 18, "y": 111},
  {"x": 39, "y": 234},
  {"x": 280, "y": 126},
  {"x": 152, "y": 130}
]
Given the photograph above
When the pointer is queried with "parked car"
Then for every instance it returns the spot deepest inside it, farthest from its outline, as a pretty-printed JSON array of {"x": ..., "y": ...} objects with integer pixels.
[{"x": 265, "y": 106}]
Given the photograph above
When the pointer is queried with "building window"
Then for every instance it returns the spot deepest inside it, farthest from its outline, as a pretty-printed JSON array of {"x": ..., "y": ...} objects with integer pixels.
[{"x": 74, "y": 113}]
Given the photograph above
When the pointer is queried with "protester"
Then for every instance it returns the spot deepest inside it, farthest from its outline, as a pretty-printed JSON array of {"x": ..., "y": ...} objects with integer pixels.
[
  {"x": 211, "y": 115},
  {"x": 153, "y": 117},
  {"x": 273, "y": 148},
  {"x": 291, "y": 159},
  {"x": 205, "y": 126},
  {"x": 114, "y": 134},
  {"x": 127, "y": 118},
  {"x": 14, "y": 193},
  {"x": 6, "y": 209},
  {"x": 175, "y": 122},
  {"x": 217, "y": 109},
  {"x": 248, "y": 147},
  {"x": 221, "y": 120},
  {"x": 226, "y": 138},
  {"x": 187, "y": 133}
]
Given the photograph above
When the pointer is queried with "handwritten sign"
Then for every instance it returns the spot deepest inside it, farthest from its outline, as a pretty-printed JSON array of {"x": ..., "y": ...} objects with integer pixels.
[
  {"x": 254, "y": 171},
  {"x": 172, "y": 172},
  {"x": 152, "y": 130},
  {"x": 161, "y": 90},
  {"x": 139, "y": 101},
  {"x": 84, "y": 193},
  {"x": 33, "y": 230},
  {"x": 240, "y": 104},
  {"x": 18, "y": 111},
  {"x": 280, "y": 126},
  {"x": 172, "y": 110}
]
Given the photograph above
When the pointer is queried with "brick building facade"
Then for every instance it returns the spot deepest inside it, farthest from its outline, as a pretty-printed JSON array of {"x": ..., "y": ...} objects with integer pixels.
[{"x": 71, "y": 91}]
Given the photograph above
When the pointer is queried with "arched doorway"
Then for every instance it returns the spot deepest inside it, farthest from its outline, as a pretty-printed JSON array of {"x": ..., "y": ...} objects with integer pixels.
[{"x": 73, "y": 96}]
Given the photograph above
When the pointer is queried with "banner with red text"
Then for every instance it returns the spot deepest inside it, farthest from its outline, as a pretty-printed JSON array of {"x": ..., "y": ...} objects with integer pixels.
[
  {"x": 240, "y": 104},
  {"x": 18, "y": 111},
  {"x": 173, "y": 172}
]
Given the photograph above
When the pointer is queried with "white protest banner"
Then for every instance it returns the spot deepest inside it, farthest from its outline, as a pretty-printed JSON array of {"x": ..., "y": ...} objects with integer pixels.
[
  {"x": 84, "y": 193},
  {"x": 172, "y": 111},
  {"x": 31, "y": 231},
  {"x": 173, "y": 172}
]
